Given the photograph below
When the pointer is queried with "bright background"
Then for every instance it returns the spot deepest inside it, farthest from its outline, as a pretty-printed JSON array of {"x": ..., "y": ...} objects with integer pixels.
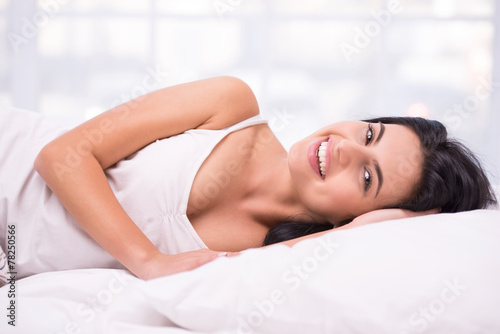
[{"x": 309, "y": 62}]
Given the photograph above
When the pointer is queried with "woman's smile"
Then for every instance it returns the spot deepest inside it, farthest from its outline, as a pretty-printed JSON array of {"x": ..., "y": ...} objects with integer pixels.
[{"x": 319, "y": 156}]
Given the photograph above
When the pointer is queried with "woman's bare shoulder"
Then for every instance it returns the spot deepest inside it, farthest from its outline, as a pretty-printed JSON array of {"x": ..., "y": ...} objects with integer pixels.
[{"x": 238, "y": 97}]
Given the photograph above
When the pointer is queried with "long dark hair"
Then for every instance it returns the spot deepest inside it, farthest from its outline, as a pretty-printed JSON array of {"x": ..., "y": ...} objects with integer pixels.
[{"x": 452, "y": 179}]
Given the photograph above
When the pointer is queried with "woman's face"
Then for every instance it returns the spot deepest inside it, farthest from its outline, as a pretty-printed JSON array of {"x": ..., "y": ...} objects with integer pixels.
[{"x": 352, "y": 167}]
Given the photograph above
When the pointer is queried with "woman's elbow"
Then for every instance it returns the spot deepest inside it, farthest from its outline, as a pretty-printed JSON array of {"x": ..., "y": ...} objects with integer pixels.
[
  {"x": 50, "y": 162},
  {"x": 42, "y": 158}
]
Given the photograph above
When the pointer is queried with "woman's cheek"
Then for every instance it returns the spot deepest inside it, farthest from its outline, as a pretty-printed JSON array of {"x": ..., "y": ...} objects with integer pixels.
[
  {"x": 326, "y": 203},
  {"x": 341, "y": 199}
]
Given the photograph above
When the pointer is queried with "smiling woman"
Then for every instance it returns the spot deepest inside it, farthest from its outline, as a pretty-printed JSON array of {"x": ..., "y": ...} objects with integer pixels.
[
  {"x": 356, "y": 158},
  {"x": 179, "y": 176},
  {"x": 423, "y": 168}
]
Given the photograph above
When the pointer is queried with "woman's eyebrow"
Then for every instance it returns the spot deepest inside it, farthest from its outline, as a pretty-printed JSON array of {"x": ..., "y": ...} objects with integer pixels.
[
  {"x": 377, "y": 167},
  {"x": 379, "y": 176},
  {"x": 381, "y": 132}
]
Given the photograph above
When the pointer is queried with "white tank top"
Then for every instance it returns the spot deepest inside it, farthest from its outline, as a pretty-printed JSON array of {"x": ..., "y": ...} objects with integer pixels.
[{"x": 152, "y": 185}]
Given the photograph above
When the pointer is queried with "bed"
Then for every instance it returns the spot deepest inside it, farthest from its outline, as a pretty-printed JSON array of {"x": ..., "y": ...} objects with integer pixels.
[{"x": 432, "y": 274}]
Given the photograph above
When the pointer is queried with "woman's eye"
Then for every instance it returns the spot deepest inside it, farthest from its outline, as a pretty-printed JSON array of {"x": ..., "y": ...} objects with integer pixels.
[
  {"x": 367, "y": 178},
  {"x": 369, "y": 134}
]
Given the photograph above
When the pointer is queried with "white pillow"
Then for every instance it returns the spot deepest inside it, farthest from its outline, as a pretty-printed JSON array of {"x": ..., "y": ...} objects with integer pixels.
[
  {"x": 436, "y": 274},
  {"x": 432, "y": 274}
]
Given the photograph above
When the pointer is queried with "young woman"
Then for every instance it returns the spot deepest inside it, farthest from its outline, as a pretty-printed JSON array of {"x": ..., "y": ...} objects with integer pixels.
[{"x": 182, "y": 175}]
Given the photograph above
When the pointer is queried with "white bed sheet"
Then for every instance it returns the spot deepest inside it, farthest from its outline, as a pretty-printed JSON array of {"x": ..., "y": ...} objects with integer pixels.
[{"x": 433, "y": 274}]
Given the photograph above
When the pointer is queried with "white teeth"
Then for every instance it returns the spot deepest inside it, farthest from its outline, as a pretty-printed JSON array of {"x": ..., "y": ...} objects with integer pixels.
[{"x": 321, "y": 154}]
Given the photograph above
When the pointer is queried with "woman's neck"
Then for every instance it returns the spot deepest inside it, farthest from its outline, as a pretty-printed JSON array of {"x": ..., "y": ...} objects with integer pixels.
[{"x": 271, "y": 197}]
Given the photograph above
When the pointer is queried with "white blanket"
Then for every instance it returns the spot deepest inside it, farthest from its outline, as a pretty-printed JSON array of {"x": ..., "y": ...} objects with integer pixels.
[{"x": 434, "y": 274}]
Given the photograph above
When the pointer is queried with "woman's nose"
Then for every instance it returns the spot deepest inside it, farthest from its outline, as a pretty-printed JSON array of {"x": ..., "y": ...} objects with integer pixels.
[{"x": 350, "y": 151}]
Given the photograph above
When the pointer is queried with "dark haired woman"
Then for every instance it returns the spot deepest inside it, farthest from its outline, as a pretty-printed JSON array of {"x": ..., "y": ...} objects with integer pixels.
[{"x": 184, "y": 174}]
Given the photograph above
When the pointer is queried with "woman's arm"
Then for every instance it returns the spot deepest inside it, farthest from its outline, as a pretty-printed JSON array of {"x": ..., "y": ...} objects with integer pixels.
[
  {"x": 73, "y": 164},
  {"x": 368, "y": 218}
]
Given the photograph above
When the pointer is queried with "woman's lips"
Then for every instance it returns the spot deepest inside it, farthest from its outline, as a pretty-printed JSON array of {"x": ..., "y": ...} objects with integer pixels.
[{"x": 313, "y": 158}]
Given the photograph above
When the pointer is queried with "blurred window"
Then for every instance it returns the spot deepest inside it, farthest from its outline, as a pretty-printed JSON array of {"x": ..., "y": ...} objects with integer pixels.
[{"x": 320, "y": 60}]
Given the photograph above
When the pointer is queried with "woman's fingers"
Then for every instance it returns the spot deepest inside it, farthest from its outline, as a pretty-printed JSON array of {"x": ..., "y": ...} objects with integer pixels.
[
  {"x": 230, "y": 254},
  {"x": 422, "y": 213},
  {"x": 163, "y": 265},
  {"x": 387, "y": 214}
]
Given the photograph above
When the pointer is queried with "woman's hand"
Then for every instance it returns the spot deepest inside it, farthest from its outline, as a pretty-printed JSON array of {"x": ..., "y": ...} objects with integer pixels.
[
  {"x": 367, "y": 218},
  {"x": 162, "y": 265},
  {"x": 386, "y": 214}
]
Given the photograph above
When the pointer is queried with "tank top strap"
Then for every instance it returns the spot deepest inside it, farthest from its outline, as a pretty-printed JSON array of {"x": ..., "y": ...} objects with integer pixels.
[{"x": 257, "y": 119}]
